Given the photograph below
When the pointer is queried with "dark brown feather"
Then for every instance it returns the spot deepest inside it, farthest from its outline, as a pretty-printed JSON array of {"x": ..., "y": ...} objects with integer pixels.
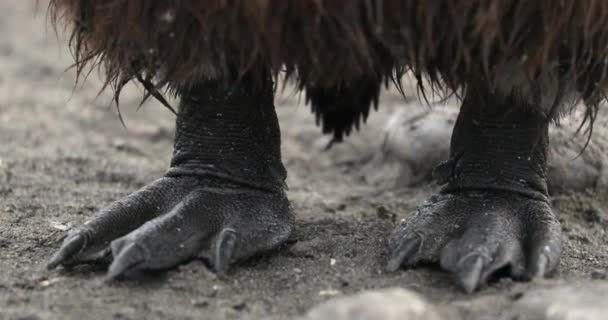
[{"x": 452, "y": 43}]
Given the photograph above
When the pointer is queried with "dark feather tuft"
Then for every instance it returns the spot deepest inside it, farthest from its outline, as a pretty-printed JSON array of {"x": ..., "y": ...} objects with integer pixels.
[{"x": 341, "y": 108}]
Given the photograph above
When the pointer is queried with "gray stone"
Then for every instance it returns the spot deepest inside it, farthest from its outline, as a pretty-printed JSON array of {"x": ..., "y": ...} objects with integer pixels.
[
  {"x": 583, "y": 301},
  {"x": 387, "y": 304},
  {"x": 419, "y": 141}
]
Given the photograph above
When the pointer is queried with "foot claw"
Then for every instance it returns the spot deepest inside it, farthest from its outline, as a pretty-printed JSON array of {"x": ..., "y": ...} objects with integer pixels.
[
  {"x": 539, "y": 268},
  {"x": 406, "y": 249},
  {"x": 71, "y": 246},
  {"x": 224, "y": 250},
  {"x": 469, "y": 273},
  {"x": 127, "y": 258}
]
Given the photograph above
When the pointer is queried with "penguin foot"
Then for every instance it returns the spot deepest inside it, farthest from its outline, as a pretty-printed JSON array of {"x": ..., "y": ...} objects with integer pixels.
[
  {"x": 479, "y": 235},
  {"x": 177, "y": 219}
]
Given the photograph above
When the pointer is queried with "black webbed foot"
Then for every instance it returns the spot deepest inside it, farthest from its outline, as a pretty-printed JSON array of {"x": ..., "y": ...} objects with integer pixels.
[
  {"x": 494, "y": 213},
  {"x": 476, "y": 234},
  {"x": 176, "y": 219},
  {"x": 223, "y": 198}
]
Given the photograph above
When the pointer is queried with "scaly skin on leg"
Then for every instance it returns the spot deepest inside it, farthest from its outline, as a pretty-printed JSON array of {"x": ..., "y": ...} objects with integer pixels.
[
  {"x": 223, "y": 198},
  {"x": 494, "y": 212}
]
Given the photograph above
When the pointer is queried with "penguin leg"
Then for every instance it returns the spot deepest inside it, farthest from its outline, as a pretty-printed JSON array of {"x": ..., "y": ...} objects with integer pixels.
[
  {"x": 494, "y": 216},
  {"x": 223, "y": 198}
]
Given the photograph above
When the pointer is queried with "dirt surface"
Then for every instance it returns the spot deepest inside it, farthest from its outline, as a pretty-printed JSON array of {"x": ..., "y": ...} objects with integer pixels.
[{"x": 64, "y": 154}]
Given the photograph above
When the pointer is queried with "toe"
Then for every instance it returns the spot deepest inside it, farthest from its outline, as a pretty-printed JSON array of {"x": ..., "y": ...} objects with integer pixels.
[
  {"x": 422, "y": 235},
  {"x": 490, "y": 243},
  {"x": 224, "y": 250},
  {"x": 544, "y": 258},
  {"x": 91, "y": 241},
  {"x": 402, "y": 251},
  {"x": 475, "y": 266},
  {"x": 72, "y": 245},
  {"x": 468, "y": 272},
  {"x": 167, "y": 240},
  {"x": 467, "y": 263},
  {"x": 255, "y": 222},
  {"x": 544, "y": 243},
  {"x": 128, "y": 259}
]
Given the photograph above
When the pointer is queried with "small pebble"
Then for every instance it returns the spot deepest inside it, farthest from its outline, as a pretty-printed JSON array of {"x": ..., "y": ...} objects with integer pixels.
[
  {"x": 329, "y": 292},
  {"x": 199, "y": 303},
  {"x": 388, "y": 304}
]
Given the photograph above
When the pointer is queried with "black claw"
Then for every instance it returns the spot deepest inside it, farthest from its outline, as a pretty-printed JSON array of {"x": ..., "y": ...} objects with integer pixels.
[
  {"x": 406, "y": 248},
  {"x": 224, "y": 250},
  {"x": 126, "y": 259},
  {"x": 71, "y": 246},
  {"x": 469, "y": 273}
]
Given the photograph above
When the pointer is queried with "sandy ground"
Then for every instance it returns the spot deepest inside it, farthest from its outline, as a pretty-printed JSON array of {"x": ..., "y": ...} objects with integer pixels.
[{"x": 64, "y": 155}]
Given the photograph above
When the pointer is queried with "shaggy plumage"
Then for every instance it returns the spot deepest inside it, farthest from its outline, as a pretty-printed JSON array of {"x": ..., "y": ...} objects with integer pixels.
[{"x": 335, "y": 43}]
